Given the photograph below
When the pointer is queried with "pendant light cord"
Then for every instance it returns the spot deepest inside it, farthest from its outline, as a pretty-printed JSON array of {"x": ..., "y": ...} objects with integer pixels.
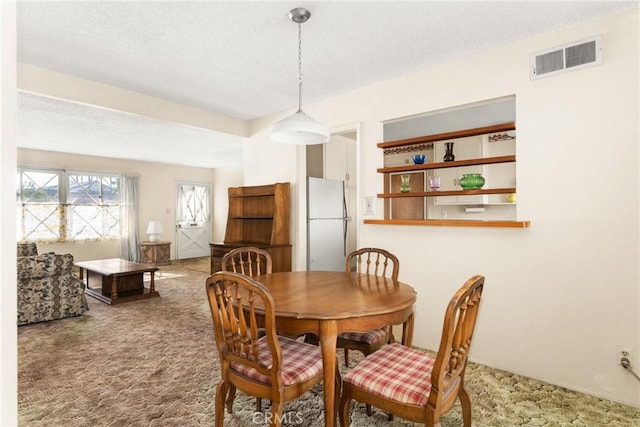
[
  {"x": 299, "y": 129},
  {"x": 299, "y": 67}
]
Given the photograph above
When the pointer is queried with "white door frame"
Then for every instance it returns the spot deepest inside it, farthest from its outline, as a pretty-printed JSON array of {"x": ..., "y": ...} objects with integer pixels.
[{"x": 299, "y": 209}]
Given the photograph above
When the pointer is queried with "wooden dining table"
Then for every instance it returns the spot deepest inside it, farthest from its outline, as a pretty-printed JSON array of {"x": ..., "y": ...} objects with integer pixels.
[{"x": 328, "y": 303}]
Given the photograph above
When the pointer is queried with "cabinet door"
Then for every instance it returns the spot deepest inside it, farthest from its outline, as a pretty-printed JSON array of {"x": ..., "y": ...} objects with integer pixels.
[
  {"x": 340, "y": 162},
  {"x": 340, "y": 165},
  {"x": 502, "y": 175},
  {"x": 408, "y": 207},
  {"x": 448, "y": 182},
  {"x": 463, "y": 149},
  {"x": 146, "y": 254}
]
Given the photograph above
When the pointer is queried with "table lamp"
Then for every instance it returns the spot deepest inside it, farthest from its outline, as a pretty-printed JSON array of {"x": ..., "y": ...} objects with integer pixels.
[{"x": 153, "y": 230}]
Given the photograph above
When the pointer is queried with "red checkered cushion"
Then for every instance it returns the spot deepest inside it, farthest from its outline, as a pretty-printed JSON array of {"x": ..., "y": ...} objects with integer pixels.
[
  {"x": 395, "y": 372},
  {"x": 365, "y": 337},
  {"x": 300, "y": 361}
]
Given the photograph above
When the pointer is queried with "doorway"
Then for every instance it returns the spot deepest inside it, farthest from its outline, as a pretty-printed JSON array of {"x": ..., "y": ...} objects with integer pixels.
[{"x": 193, "y": 219}]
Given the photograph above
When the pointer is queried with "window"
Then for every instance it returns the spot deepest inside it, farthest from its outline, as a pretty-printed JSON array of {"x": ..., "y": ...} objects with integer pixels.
[
  {"x": 67, "y": 206},
  {"x": 94, "y": 207},
  {"x": 193, "y": 205},
  {"x": 38, "y": 202}
]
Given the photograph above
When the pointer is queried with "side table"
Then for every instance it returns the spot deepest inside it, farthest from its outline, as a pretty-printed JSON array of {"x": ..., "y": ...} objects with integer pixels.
[{"x": 155, "y": 253}]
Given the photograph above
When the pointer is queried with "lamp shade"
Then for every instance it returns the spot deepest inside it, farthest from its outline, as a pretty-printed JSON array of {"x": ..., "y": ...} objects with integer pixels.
[
  {"x": 299, "y": 129},
  {"x": 153, "y": 230}
]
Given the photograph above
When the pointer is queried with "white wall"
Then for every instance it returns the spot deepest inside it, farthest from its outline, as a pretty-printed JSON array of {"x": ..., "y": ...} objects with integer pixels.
[
  {"x": 223, "y": 179},
  {"x": 561, "y": 295},
  {"x": 157, "y": 187},
  {"x": 8, "y": 328}
]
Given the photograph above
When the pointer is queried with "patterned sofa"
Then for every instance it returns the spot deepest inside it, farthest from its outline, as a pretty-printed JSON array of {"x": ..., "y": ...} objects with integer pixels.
[
  {"x": 47, "y": 287},
  {"x": 27, "y": 249}
]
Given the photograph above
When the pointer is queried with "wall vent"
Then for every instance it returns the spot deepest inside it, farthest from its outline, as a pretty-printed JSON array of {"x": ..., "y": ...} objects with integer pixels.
[{"x": 570, "y": 57}]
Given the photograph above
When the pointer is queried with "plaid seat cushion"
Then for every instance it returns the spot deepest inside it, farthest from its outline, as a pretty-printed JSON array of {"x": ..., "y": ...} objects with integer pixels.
[
  {"x": 395, "y": 372},
  {"x": 365, "y": 337},
  {"x": 300, "y": 361}
]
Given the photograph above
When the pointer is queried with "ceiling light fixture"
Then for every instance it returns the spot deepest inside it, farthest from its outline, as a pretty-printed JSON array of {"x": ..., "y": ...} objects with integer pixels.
[{"x": 299, "y": 128}]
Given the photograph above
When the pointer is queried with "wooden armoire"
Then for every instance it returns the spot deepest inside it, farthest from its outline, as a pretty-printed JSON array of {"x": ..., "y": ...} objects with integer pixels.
[{"x": 258, "y": 216}]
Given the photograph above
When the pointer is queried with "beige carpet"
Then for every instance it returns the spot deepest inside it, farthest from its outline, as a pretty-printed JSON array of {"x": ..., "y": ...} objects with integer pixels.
[{"x": 153, "y": 363}]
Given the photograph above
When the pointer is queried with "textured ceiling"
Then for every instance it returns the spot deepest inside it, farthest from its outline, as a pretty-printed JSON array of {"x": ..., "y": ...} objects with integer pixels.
[
  {"x": 240, "y": 58},
  {"x": 55, "y": 125}
]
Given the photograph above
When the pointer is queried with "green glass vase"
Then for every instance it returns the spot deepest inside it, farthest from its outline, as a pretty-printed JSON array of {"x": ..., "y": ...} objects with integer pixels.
[
  {"x": 472, "y": 181},
  {"x": 404, "y": 183}
]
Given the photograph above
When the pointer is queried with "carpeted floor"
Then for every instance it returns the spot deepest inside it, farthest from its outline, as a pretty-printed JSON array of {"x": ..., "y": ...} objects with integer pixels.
[{"x": 154, "y": 363}]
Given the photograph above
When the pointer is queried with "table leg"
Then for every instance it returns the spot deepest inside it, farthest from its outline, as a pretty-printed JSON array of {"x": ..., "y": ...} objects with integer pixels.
[
  {"x": 114, "y": 288},
  {"x": 152, "y": 284},
  {"x": 407, "y": 331},
  {"x": 328, "y": 337}
]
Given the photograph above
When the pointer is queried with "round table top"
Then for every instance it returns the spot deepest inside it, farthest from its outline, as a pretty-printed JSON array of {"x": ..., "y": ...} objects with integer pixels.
[{"x": 335, "y": 295}]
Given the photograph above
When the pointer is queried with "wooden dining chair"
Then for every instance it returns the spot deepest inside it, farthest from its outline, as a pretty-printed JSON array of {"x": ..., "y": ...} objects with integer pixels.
[
  {"x": 371, "y": 262},
  {"x": 413, "y": 385},
  {"x": 248, "y": 260},
  {"x": 268, "y": 366}
]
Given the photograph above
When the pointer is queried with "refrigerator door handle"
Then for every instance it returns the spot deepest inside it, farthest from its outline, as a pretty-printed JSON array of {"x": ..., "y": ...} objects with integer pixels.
[
  {"x": 345, "y": 226},
  {"x": 344, "y": 236}
]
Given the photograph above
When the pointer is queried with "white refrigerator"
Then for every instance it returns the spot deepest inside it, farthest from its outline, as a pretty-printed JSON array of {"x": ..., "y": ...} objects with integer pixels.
[{"x": 327, "y": 222}]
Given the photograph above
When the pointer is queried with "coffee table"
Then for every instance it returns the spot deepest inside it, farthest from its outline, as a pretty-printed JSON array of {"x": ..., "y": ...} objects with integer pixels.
[{"x": 118, "y": 280}]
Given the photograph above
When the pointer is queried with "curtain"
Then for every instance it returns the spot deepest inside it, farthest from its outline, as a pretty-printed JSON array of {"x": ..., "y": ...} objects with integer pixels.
[{"x": 129, "y": 240}]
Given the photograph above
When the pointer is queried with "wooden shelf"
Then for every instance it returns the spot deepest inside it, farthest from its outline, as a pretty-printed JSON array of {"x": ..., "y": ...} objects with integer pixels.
[
  {"x": 444, "y": 165},
  {"x": 263, "y": 244},
  {"x": 254, "y": 191},
  {"x": 409, "y": 205},
  {"x": 503, "y": 127},
  {"x": 447, "y": 193},
  {"x": 259, "y": 213},
  {"x": 251, "y": 217},
  {"x": 451, "y": 222},
  {"x": 258, "y": 216}
]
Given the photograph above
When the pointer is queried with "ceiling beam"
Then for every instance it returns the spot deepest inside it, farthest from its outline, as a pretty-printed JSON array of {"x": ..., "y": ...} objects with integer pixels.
[{"x": 46, "y": 82}]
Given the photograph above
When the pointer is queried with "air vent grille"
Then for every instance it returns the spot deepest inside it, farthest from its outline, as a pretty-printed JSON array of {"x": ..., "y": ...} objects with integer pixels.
[
  {"x": 572, "y": 56},
  {"x": 580, "y": 54},
  {"x": 550, "y": 62}
]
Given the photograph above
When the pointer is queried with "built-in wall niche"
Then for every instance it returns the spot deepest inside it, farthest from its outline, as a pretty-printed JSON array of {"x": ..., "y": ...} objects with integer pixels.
[{"x": 482, "y": 138}]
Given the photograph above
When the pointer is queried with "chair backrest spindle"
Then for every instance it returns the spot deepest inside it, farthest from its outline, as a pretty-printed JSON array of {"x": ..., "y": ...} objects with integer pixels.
[
  {"x": 233, "y": 299},
  {"x": 455, "y": 343},
  {"x": 250, "y": 261},
  {"x": 387, "y": 378},
  {"x": 373, "y": 262}
]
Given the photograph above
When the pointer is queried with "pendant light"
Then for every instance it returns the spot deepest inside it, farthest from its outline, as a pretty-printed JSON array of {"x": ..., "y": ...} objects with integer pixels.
[{"x": 299, "y": 128}]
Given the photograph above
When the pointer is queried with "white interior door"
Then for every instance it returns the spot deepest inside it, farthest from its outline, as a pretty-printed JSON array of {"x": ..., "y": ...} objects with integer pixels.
[{"x": 193, "y": 220}]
